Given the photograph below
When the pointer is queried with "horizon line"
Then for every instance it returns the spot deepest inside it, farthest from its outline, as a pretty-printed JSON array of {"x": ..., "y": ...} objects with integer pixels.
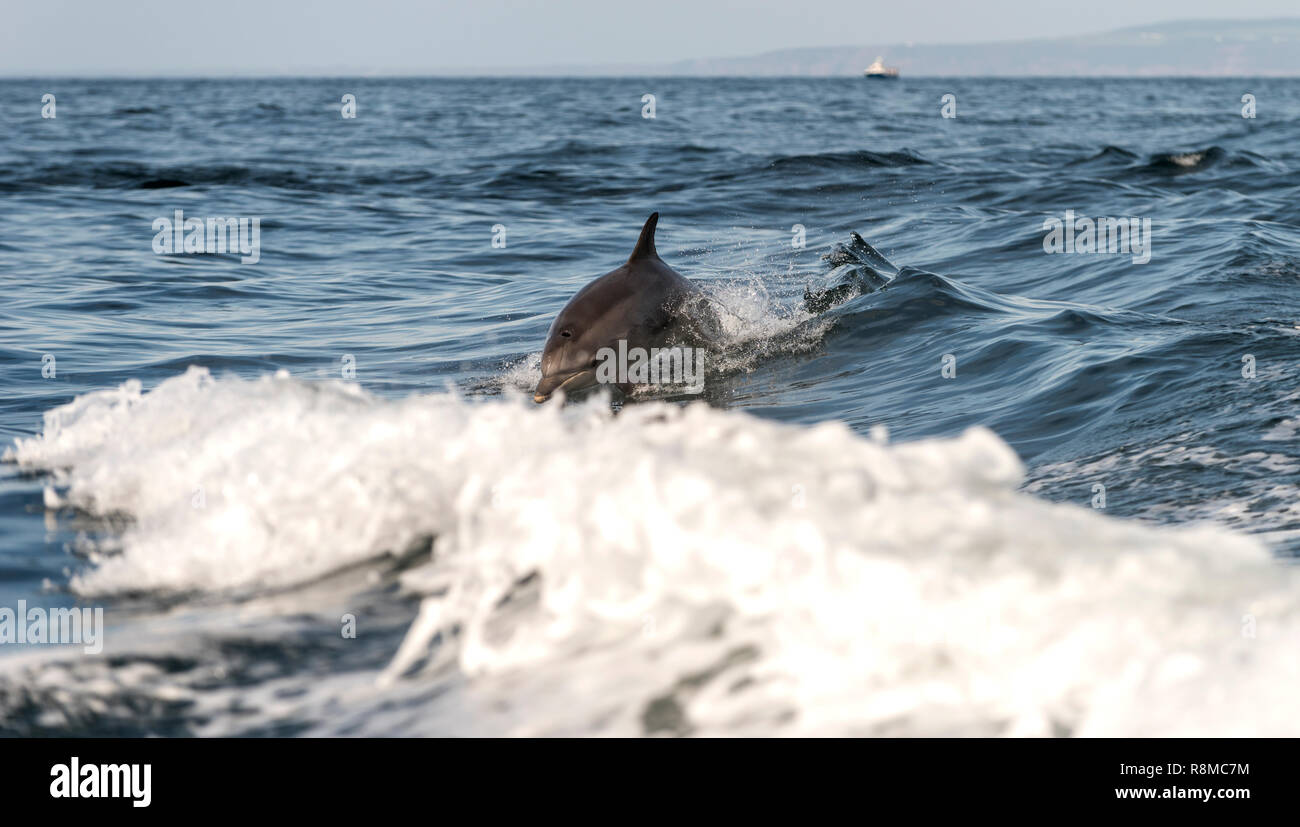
[{"x": 655, "y": 75}]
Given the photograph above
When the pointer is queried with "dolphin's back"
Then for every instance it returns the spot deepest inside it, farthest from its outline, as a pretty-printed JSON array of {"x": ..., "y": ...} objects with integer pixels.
[{"x": 647, "y": 292}]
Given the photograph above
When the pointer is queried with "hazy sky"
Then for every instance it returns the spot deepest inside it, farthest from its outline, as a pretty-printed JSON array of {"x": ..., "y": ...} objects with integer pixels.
[{"x": 165, "y": 37}]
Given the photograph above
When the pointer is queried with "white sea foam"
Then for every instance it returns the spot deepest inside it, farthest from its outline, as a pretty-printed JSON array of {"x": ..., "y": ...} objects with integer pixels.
[
  {"x": 756, "y": 325},
  {"x": 1187, "y": 159},
  {"x": 521, "y": 375},
  {"x": 686, "y": 569}
]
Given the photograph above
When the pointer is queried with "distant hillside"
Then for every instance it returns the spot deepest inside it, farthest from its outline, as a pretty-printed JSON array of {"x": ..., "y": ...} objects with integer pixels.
[{"x": 1194, "y": 47}]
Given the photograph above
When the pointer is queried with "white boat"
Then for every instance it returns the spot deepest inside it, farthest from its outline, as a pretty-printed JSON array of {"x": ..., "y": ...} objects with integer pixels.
[{"x": 879, "y": 71}]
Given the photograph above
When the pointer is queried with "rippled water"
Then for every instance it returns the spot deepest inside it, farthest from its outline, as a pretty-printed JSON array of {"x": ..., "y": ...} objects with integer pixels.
[{"x": 317, "y": 499}]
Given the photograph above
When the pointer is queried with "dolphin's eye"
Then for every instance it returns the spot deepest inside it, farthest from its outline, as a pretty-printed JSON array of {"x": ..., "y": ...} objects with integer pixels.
[{"x": 566, "y": 333}]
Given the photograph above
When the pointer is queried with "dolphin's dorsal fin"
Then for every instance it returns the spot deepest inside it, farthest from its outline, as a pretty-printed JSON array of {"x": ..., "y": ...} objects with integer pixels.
[{"x": 645, "y": 245}]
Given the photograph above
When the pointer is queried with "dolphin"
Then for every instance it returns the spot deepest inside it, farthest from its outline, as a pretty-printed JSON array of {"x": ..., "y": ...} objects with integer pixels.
[
  {"x": 859, "y": 269},
  {"x": 644, "y": 303}
]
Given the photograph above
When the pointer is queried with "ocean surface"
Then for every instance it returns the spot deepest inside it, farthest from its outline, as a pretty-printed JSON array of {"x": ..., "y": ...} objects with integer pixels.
[{"x": 1007, "y": 493}]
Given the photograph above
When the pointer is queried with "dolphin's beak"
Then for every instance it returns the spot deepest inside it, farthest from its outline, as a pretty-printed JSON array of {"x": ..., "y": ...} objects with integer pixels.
[{"x": 567, "y": 382}]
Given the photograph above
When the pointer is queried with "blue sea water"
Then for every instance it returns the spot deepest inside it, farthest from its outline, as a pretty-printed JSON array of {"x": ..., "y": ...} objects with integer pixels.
[{"x": 1172, "y": 384}]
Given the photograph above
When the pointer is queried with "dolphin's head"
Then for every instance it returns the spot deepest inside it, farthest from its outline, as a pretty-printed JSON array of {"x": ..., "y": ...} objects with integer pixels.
[
  {"x": 597, "y": 317},
  {"x": 569, "y": 358}
]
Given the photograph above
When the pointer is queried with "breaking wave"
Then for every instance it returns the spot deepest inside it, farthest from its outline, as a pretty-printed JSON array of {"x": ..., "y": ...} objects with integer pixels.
[{"x": 676, "y": 569}]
